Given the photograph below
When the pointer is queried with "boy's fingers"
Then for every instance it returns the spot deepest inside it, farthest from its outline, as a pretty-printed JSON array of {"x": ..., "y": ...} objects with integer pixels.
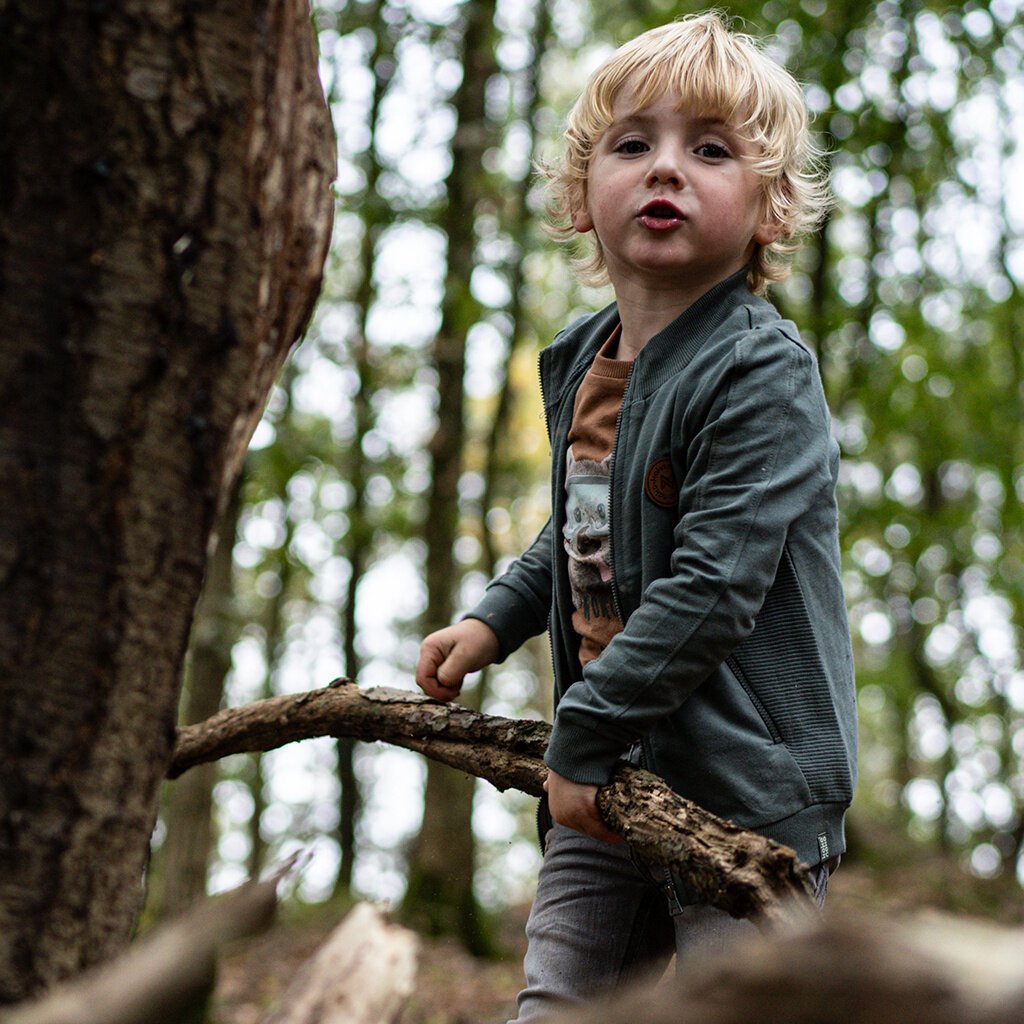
[
  {"x": 574, "y": 806},
  {"x": 593, "y": 826},
  {"x": 599, "y": 830},
  {"x": 432, "y": 654},
  {"x": 452, "y": 670}
]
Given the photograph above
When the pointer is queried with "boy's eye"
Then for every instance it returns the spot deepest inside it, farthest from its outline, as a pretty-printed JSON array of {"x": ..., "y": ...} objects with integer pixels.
[
  {"x": 712, "y": 150},
  {"x": 631, "y": 147}
]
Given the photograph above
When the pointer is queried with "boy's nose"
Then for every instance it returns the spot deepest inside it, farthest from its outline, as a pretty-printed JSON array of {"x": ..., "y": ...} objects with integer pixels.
[
  {"x": 664, "y": 178},
  {"x": 665, "y": 170}
]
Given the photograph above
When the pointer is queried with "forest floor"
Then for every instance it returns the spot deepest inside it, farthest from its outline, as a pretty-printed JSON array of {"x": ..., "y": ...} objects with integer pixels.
[
  {"x": 456, "y": 988},
  {"x": 452, "y": 987}
]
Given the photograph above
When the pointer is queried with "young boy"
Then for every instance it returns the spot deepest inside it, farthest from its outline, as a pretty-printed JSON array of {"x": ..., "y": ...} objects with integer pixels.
[{"x": 689, "y": 573}]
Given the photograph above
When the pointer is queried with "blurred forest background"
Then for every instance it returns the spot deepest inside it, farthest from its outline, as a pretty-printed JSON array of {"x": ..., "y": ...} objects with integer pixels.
[{"x": 402, "y": 459}]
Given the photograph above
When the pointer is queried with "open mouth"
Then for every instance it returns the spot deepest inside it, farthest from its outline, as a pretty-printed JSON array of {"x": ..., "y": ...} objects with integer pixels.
[
  {"x": 660, "y": 214},
  {"x": 661, "y": 210}
]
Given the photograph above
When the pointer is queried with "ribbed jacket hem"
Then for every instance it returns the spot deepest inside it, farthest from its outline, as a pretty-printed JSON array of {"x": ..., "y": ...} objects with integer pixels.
[
  {"x": 815, "y": 833},
  {"x": 582, "y": 755}
]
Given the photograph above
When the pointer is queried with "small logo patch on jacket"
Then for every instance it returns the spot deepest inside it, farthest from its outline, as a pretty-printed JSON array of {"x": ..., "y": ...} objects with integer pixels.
[{"x": 659, "y": 484}]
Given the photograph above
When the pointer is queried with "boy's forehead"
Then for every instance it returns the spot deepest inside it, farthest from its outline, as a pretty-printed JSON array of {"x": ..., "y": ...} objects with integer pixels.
[
  {"x": 633, "y": 103},
  {"x": 628, "y": 110}
]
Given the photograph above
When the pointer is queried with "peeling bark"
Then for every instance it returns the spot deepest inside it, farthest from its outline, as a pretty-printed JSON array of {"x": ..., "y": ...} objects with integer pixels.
[
  {"x": 164, "y": 216},
  {"x": 737, "y": 871}
]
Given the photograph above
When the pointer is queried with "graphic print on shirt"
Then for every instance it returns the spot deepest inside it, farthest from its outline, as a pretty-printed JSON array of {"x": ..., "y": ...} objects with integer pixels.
[{"x": 587, "y": 543}]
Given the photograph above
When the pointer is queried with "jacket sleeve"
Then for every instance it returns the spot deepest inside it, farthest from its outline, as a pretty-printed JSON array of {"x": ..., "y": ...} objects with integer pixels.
[
  {"x": 755, "y": 460},
  {"x": 517, "y": 604}
]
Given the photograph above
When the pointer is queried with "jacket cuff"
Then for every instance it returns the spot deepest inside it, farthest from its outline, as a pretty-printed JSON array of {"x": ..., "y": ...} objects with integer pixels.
[
  {"x": 509, "y": 614},
  {"x": 581, "y": 755}
]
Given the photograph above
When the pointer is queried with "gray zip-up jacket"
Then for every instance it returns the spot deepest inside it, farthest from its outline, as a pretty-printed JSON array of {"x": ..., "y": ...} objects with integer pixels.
[{"x": 734, "y": 667}]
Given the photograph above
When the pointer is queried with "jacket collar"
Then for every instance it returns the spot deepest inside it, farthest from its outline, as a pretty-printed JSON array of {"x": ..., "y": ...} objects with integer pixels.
[
  {"x": 668, "y": 352},
  {"x": 675, "y": 345}
]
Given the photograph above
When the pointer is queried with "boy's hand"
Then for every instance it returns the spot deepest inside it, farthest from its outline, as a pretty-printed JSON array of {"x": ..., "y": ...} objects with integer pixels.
[
  {"x": 448, "y": 655},
  {"x": 575, "y": 806}
]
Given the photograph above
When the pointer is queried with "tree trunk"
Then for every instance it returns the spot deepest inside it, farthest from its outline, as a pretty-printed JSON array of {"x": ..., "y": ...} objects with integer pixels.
[
  {"x": 274, "y": 628},
  {"x": 164, "y": 216},
  {"x": 498, "y": 445},
  {"x": 440, "y": 898},
  {"x": 184, "y": 858}
]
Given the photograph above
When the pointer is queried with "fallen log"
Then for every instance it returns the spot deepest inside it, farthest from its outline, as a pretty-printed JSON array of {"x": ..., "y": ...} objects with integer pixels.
[
  {"x": 164, "y": 978},
  {"x": 362, "y": 974},
  {"x": 928, "y": 969},
  {"x": 736, "y": 870}
]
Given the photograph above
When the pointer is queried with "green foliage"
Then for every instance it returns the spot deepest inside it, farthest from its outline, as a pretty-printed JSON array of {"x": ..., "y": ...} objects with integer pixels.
[{"x": 911, "y": 296}]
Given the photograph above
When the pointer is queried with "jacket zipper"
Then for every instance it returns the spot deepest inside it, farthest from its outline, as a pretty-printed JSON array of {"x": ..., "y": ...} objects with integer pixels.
[
  {"x": 762, "y": 711},
  {"x": 616, "y": 602}
]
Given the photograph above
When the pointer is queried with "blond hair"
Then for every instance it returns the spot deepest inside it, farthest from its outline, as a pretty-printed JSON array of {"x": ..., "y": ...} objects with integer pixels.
[{"x": 725, "y": 75}]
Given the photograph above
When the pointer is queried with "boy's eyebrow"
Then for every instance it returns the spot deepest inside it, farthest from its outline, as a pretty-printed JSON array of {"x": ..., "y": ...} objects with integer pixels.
[{"x": 640, "y": 118}]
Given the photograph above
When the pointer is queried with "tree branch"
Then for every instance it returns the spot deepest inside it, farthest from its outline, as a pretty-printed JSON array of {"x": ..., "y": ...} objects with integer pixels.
[{"x": 737, "y": 871}]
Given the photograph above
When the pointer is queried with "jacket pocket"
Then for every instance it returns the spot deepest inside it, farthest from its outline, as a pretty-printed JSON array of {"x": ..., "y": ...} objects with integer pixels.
[
  {"x": 740, "y": 676},
  {"x": 720, "y": 751}
]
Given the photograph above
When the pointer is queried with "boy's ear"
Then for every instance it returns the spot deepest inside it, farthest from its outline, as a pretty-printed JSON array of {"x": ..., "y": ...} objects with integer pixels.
[
  {"x": 768, "y": 231},
  {"x": 582, "y": 221}
]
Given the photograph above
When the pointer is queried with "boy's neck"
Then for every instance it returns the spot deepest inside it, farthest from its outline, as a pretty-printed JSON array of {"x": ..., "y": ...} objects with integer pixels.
[
  {"x": 644, "y": 316},
  {"x": 648, "y": 306}
]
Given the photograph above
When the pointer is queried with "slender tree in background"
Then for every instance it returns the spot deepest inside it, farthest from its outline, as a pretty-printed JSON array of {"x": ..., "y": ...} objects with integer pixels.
[
  {"x": 440, "y": 896},
  {"x": 162, "y": 234},
  {"x": 180, "y": 869},
  {"x": 279, "y": 571},
  {"x": 356, "y": 545},
  {"x": 517, "y": 221},
  {"x": 279, "y": 576}
]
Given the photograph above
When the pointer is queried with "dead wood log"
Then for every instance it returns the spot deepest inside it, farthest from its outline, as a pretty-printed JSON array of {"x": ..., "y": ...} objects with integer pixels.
[
  {"x": 933, "y": 969},
  {"x": 165, "y": 977},
  {"x": 737, "y": 871},
  {"x": 362, "y": 974}
]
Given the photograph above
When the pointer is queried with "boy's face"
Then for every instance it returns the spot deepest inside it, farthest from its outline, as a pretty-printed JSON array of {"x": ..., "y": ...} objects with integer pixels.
[{"x": 673, "y": 200}]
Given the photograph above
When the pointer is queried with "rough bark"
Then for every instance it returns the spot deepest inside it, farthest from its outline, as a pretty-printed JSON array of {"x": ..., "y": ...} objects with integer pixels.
[
  {"x": 165, "y": 978},
  {"x": 164, "y": 216},
  {"x": 362, "y": 974},
  {"x": 738, "y": 871}
]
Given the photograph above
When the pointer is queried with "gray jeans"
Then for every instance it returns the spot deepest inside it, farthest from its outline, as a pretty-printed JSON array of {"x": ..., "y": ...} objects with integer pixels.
[{"x": 601, "y": 918}]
